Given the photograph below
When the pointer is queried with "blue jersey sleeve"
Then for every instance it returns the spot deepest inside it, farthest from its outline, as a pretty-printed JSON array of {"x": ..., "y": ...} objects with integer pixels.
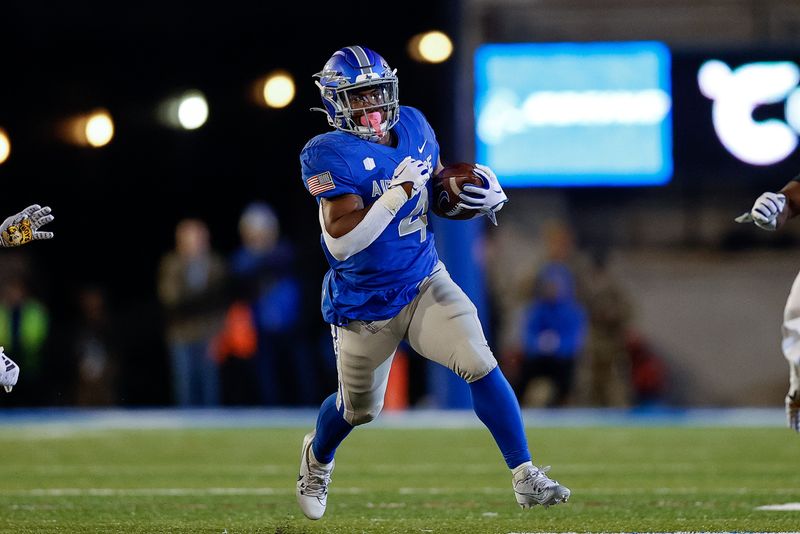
[{"x": 325, "y": 172}]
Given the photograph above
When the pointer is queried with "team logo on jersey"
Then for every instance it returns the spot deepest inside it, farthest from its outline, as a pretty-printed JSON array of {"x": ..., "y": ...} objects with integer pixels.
[
  {"x": 369, "y": 164},
  {"x": 320, "y": 183}
]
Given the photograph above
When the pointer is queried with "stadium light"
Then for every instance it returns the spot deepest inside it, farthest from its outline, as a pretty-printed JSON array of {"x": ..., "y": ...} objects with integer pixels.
[
  {"x": 188, "y": 110},
  {"x": 430, "y": 47},
  {"x": 95, "y": 129},
  {"x": 275, "y": 90},
  {"x": 99, "y": 128},
  {"x": 193, "y": 110},
  {"x": 5, "y": 146}
]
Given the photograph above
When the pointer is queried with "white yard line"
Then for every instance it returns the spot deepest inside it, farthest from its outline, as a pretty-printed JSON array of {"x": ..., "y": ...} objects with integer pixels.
[
  {"x": 161, "y": 492},
  {"x": 284, "y": 490},
  {"x": 786, "y": 507}
]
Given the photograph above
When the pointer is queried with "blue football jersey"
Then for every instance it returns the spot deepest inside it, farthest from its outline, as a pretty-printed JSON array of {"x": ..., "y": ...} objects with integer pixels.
[{"x": 377, "y": 282}]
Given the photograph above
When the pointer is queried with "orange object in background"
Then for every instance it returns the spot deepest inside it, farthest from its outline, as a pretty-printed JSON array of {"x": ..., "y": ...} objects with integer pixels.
[
  {"x": 238, "y": 338},
  {"x": 396, "y": 397}
]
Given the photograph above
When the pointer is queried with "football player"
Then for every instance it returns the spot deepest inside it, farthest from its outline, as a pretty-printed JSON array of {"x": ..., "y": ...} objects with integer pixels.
[
  {"x": 18, "y": 230},
  {"x": 386, "y": 283},
  {"x": 770, "y": 212}
]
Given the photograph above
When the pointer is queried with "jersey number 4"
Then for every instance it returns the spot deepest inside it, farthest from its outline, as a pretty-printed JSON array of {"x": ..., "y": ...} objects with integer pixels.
[{"x": 417, "y": 220}]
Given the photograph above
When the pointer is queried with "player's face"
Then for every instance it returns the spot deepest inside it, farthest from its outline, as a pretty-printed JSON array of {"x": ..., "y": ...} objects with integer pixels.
[{"x": 369, "y": 99}]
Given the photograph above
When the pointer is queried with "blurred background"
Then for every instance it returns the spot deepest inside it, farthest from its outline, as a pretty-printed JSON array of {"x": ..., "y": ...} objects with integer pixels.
[{"x": 186, "y": 266}]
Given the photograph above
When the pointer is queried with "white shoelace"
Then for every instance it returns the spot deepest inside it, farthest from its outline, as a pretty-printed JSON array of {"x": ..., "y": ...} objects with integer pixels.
[
  {"x": 538, "y": 478},
  {"x": 317, "y": 485}
]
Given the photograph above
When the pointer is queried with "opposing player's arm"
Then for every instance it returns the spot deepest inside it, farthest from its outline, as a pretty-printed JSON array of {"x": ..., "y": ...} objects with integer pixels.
[
  {"x": 792, "y": 208},
  {"x": 771, "y": 210}
]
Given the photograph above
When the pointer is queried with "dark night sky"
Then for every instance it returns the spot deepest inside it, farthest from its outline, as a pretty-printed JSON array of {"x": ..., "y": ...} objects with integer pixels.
[
  {"x": 125, "y": 197},
  {"x": 116, "y": 207}
]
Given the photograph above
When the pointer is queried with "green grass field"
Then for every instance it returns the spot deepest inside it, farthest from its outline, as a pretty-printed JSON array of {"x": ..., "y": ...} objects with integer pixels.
[{"x": 623, "y": 479}]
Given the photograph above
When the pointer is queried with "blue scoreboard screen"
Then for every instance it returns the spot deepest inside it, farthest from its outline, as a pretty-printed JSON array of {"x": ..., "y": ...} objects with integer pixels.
[{"x": 574, "y": 114}]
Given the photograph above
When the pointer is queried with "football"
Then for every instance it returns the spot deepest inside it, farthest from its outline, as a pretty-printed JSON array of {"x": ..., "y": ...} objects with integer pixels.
[{"x": 447, "y": 185}]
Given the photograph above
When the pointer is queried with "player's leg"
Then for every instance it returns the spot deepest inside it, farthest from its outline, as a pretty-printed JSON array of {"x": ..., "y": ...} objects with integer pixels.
[
  {"x": 180, "y": 356},
  {"x": 208, "y": 376},
  {"x": 364, "y": 354},
  {"x": 445, "y": 328},
  {"x": 791, "y": 350}
]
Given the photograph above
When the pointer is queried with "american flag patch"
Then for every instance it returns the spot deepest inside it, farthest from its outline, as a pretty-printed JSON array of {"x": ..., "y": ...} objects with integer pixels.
[{"x": 320, "y": 183}]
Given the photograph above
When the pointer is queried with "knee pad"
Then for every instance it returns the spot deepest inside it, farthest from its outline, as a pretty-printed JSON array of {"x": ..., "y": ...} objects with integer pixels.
[
  {"x": 472, "y": 360},
  {"x": 363, "y": 416}
]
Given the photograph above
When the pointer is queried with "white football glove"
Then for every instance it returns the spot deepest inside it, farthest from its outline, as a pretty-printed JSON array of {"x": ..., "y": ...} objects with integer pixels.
[
  {"x": 793, "y": 398},
  {"x": 413, "y": 171},
  {"x": 488, "y": 200},
  {"x": 23, "y": 227},
  {"x": 765, "y": 211},
  {"x": 9, "y": 372}
]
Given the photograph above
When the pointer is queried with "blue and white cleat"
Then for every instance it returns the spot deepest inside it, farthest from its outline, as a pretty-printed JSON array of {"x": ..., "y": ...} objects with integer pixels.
[
  {"x": 9, "y": 372},
  {"x": 312, "y": 484},
  {"x": 532, "y": 486}
]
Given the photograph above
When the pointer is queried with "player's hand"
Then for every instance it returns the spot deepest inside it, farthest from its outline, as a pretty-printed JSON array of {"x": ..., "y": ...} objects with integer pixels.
[
  {"x": 488, "y": 200},
  {"x": 24, "y": 226},
  {"x": 765, "y": 211},
  {"x": 411, "y": 171}
]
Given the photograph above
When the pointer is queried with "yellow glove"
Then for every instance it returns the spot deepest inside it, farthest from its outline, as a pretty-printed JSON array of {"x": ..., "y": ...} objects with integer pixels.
[{"x": 24, "y": 226}]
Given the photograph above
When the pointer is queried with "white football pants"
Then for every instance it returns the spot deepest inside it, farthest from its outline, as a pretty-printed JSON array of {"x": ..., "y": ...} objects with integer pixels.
[
  {"x": 441, "y": 324},
  {"x": 791, "y": 324}
]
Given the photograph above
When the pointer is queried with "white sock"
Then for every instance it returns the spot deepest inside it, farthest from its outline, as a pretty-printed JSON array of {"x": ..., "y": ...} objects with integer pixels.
[
  {"x": 313, "y": 458},
  {"x": 520, "y": 467}
]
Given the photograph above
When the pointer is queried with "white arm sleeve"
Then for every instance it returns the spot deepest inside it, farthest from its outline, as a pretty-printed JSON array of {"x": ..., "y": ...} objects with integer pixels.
[{"x": 370, "y": 227}]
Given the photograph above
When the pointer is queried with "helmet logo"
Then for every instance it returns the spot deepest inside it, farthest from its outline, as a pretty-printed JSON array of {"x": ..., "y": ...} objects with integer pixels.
[{"x": 368, "y": 76}]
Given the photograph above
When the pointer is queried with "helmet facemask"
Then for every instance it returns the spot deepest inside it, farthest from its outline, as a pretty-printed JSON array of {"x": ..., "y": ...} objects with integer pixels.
[
  {"x": 371, "y": 108},
  {"x": 339, "y": 95},
  {"x": 359, "y": 119}
]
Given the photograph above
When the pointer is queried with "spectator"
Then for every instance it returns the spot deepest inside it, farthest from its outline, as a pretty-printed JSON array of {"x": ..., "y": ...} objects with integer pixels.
[
  {"x": 96, "y": 350},
  {"x": 609, "y": 316},
  {"x": 264, "y": 272},
  {"x": 559, "y": 247},
  {"x": 554, "y": 332},
  {"x": 648, "y": 372},
  {"x": 190, "y": 287}
]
